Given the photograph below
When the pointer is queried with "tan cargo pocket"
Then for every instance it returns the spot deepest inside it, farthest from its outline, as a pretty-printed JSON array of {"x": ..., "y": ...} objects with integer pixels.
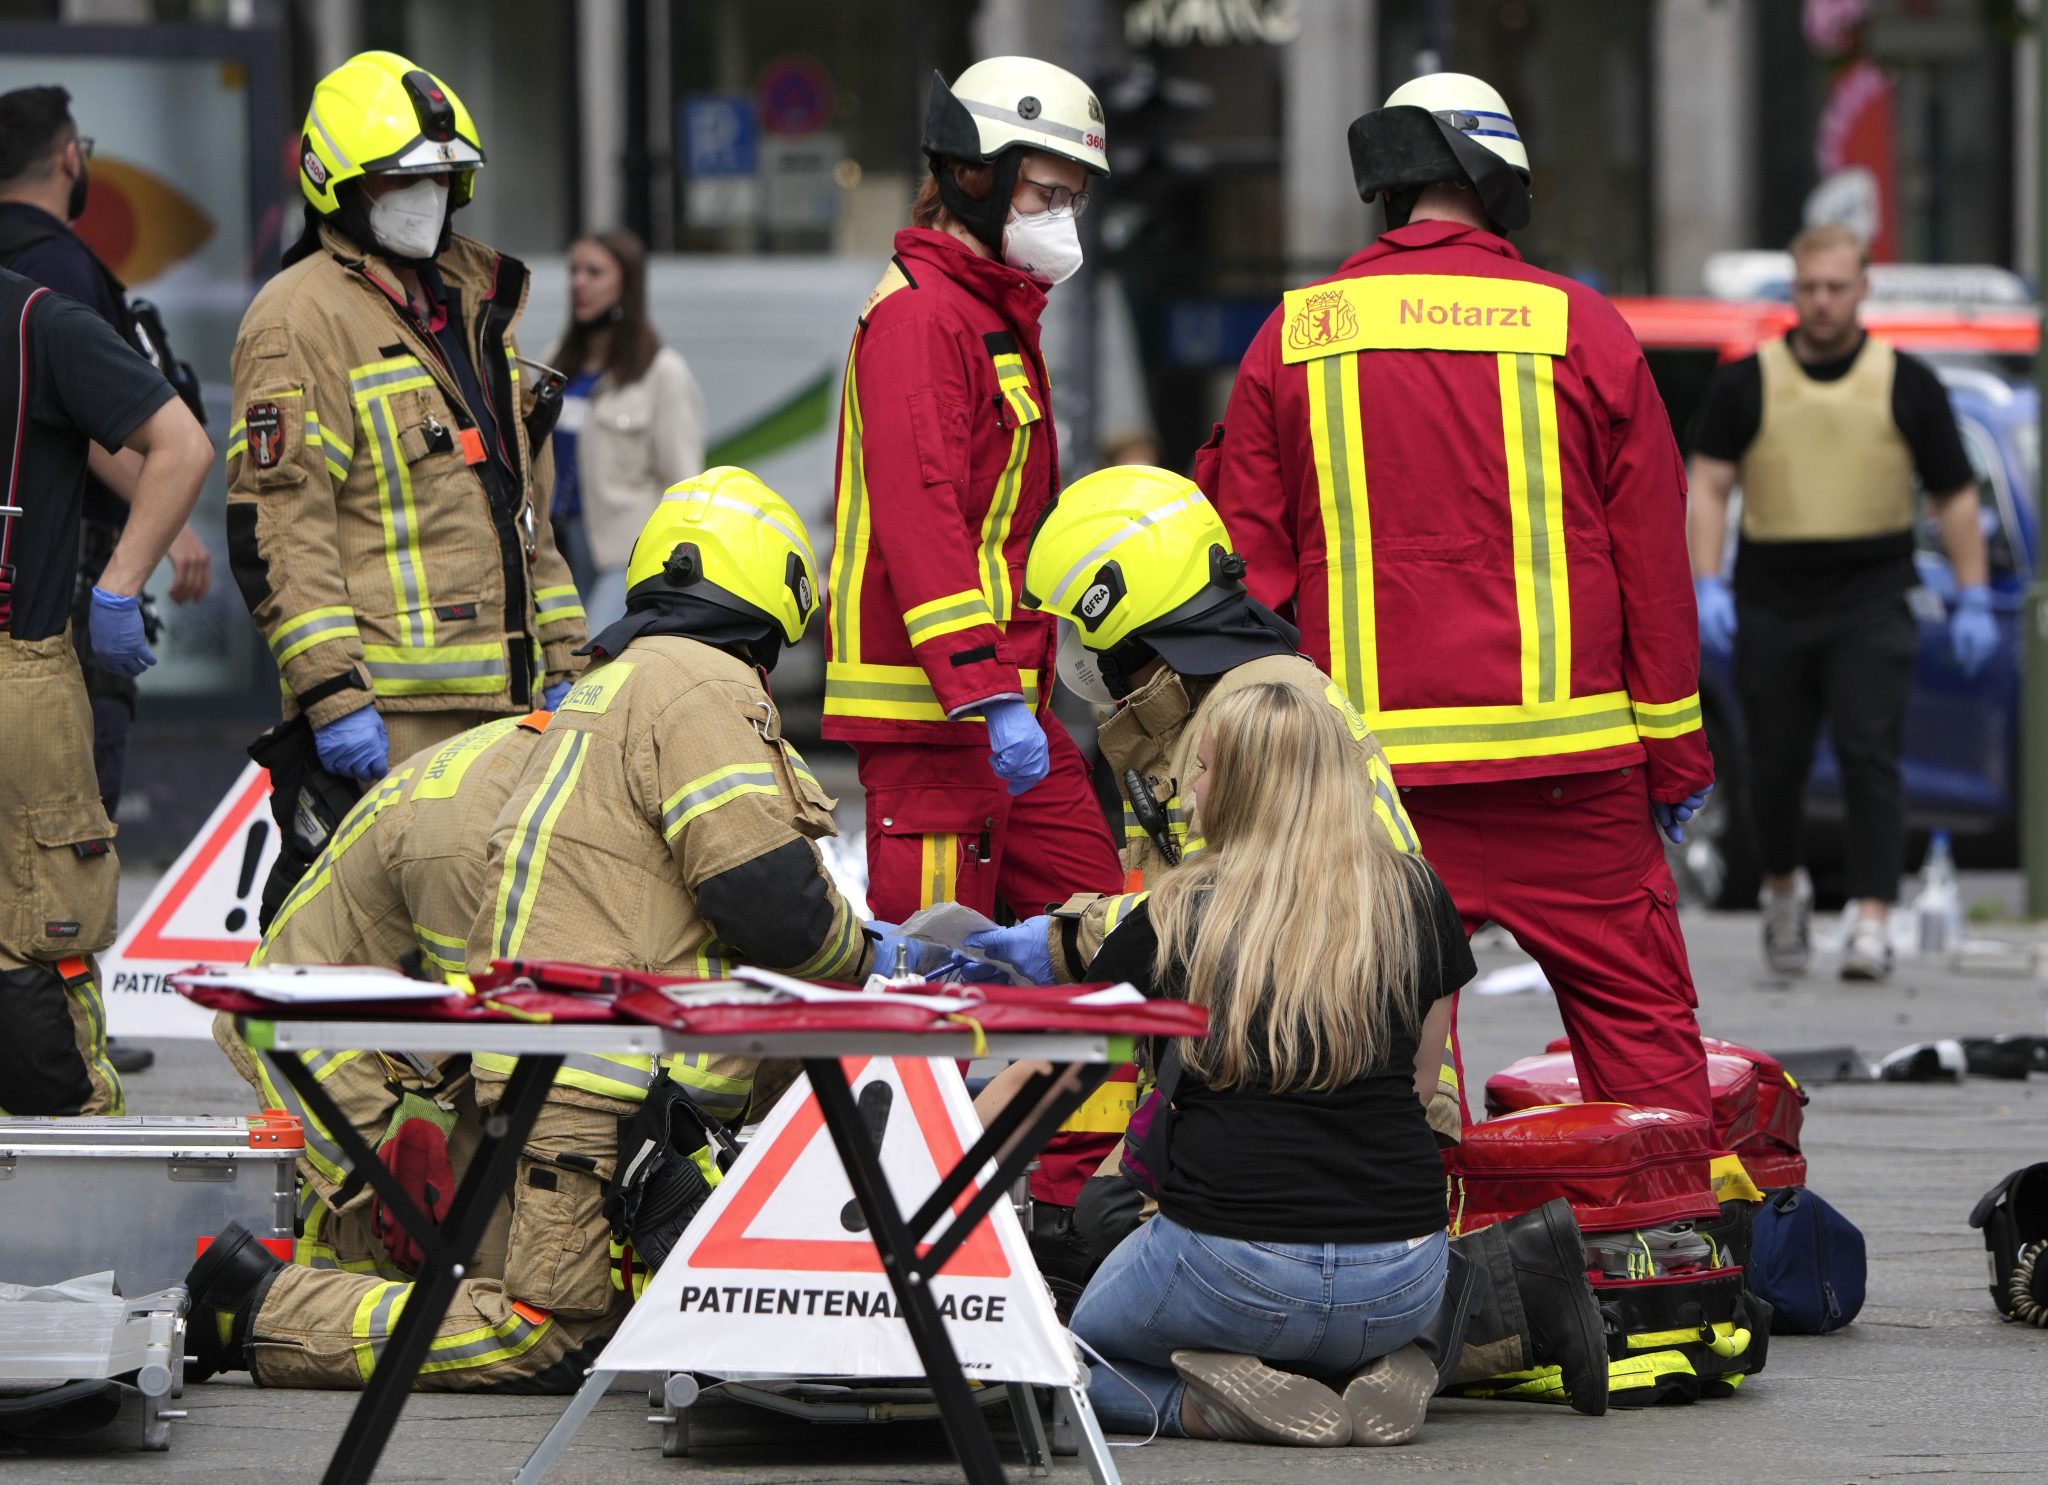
[
  {"x": 560, "y": 1258},
  {"x": 813, "y": 804},
  {"x": 74, "y": 881}
]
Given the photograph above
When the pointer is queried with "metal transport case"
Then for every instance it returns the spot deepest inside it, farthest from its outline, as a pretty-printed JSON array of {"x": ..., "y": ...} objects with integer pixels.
[{"x": 140, "y": 1194}]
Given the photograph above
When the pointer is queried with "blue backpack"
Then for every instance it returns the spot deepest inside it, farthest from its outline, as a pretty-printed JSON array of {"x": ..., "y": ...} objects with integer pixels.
[{"x": 1807, "y": 1260}]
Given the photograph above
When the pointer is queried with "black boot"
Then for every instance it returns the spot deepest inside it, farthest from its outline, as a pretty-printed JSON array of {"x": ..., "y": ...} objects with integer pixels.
[
  {"x": 1549, "y": 1257},
  {"x": 1533, "y": 1307},
  {"x": 227, "y": 1282},
  {"x": 1443, "y": 1342}
]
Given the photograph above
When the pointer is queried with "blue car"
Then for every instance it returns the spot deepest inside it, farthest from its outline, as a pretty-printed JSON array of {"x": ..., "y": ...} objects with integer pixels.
[{"x": 1962, "y": 758}]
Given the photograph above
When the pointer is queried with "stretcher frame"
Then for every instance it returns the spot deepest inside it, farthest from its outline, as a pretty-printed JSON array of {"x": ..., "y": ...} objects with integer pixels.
[{"x": 1079, "y": 1061}]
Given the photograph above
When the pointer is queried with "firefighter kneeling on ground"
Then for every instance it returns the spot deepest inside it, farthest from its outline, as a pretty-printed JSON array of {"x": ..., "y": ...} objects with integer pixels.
[
  {"x": 663, "y": 825},
  {"x": 398, "y": 884},
  {"x": 1137, "y": 565}
]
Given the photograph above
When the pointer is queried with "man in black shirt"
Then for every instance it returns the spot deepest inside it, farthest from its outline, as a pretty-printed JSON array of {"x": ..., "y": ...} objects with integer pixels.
[
  {"x": 43, "y": 181},
  {"x": 1827, "y": 431},
  {"x": 67, "y": 380}
]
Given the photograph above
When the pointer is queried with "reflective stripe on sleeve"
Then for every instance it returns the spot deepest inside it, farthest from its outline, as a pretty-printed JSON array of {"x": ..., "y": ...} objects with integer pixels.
[
  {"x": 839, "y": 956},
  {"x": 900, "y": 693},
  {"x": 995, "y": 526},
  {"x": 1664, "y": 719},
  {"x": 301, "y": 632},
  {"x": 706, "y": 793},
  {"x": 555, "y": 605},
  {"x": 948, "y": 615}
]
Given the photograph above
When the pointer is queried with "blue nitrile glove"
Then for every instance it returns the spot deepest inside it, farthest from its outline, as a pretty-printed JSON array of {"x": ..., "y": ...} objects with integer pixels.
[
  {"x": 551, "y": 695},
  {"x": 354, "y": 747},
  {"x": 1016, "y": 744},
  {"x": 1717, "y": 615},
  {"x": 1023, "y": 946},
  {"x": 118, "y": 643},
  {"x": 1671, "y": 818},
  {"x": 1972, "y": 632},
  {"x": 886, "y": 937}
]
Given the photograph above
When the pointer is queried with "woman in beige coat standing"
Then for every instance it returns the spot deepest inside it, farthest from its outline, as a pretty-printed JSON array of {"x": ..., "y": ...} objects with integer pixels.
[{"x": 632, "y": 419}]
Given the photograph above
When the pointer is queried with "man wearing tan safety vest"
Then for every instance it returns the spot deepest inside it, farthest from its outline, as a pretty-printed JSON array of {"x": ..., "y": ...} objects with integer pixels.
[
  {"x": 661, "y": 824},
  {"x": 1826, "y": 430},
  {"x": 397, "y": 885},
  {"x": 1455, "y": 470},
  {"x": 388, "y": 471}
]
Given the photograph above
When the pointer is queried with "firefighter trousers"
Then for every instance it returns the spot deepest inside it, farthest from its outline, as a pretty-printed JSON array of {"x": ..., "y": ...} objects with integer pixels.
[
  {"x": 59, "y": 881},
  {"x": 943, "y": 828},
  {"x": 1573, "y": 867},
  {"x": 531, "y": 1331}
]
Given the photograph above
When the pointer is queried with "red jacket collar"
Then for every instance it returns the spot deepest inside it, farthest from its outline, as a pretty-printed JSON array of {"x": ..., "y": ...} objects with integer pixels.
[
  {"x": 1013, "y": 294},
  {"x": 1433, "y": 233}
]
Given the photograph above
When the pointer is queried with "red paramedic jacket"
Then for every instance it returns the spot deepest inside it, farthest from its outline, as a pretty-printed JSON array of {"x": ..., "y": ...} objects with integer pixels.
[
  {"x": 1458, "y": 472},
  {"x": 946, "y": 460}
]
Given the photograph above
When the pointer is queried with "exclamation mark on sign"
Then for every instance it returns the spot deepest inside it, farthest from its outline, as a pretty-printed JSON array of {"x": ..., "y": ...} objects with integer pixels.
[
  {"x": 252, "y": 857},
  {"x": 874, "y": 1103}
]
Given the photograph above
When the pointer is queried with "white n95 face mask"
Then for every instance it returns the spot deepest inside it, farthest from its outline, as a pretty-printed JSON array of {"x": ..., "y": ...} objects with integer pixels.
[
  {"x": 1045, "y": 246},
  {"x": 1079, "y": 670},
  {"x": 407, "y": 222}
]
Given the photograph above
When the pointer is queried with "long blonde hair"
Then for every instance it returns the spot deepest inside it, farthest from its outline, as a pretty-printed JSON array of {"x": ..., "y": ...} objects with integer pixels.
[{"x": 1296, "y": 925}]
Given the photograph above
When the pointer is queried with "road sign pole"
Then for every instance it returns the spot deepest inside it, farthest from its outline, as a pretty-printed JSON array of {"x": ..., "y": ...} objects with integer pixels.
[{"x": 2034, "y": 614}]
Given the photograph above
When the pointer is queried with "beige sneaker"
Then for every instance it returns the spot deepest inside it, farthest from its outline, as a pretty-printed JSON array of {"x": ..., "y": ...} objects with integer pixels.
[
  {"x": 1869, "y": 953},
  {"x": 1388, "y": 1399},
  {"x": 1788, "y": 919},
  {"x": 1248, "y": 1402}
]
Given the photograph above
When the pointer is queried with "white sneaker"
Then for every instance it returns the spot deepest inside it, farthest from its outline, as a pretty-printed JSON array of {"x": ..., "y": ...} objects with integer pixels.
[
  {"x": 1868, "y": 955},
  {"x": 1788, "y": 920}
]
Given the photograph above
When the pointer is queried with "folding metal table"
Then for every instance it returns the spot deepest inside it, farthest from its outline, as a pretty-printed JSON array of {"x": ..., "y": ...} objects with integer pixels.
[{"x": 1080, "y": 1060}]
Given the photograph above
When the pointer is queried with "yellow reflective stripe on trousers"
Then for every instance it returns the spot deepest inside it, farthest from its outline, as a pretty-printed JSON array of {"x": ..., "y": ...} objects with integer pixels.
[
  {"x": 527, "y": 859},
  {"x": 1528, "y": 412},
  {"x": 900, "y": 693},
  {"x": 1453, "y": 734},
  {"x": 372, "y": 386},
  {"x": 487, "y": 1345},
  {"x": 555, "y": 605},
  {"x": 315, "y": 626},
  {"x": 436, "y": 670},
  {"x": 362, "y": 814},
  {"x": 995, "y": 525},
  {"x": 938, "y": 870},
  {"x": 947, "y": 615},
  {"x": 850, "y": 540},
  {"x": 839, "y": 956},
  {"x": 719, "y": 787},
  {"x": 1338, "y": 441},
  {"x": 1668, "y": 718}
]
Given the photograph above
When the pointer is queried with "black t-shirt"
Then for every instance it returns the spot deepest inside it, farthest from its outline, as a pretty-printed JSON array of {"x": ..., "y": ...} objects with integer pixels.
[
  {"x": 57, "y": 258},
  {"x": 85, "y": 382},
  {"x": 1358, "y": 1164},
  {"x": 1811, "y": 576}
]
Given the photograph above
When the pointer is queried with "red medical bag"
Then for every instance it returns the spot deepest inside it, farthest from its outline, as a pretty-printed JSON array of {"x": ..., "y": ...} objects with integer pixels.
[
  {"x": 1551, "y": 1078},
  {"x": 1619, "y": 1166}
]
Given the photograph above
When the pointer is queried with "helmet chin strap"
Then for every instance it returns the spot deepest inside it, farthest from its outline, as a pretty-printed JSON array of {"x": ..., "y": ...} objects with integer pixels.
[{"x": 985, "y": 218}]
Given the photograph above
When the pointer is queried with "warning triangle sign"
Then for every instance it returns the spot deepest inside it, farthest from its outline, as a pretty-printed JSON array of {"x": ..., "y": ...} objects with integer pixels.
[
  {"x": 778, "y": 1273},
  {"x": 203, "y": 910}
]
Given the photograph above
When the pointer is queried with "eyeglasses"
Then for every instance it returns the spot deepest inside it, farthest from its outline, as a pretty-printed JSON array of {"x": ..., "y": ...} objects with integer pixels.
[
  {"x": 85, "y": 146},
  {"x": 1059, "y": 200}
]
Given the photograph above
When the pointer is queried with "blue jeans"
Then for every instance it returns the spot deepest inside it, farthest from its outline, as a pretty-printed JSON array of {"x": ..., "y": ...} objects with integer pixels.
[{"x": 1319, "y": 1308}]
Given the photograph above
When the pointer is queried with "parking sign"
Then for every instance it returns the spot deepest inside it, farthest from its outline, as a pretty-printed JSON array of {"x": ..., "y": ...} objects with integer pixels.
[{"x": 720, "y": 135}]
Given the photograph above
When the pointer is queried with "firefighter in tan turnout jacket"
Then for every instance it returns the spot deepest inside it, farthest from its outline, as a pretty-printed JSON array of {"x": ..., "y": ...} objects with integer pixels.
[
  {"x": 660, "y": 823},
  {"x": 398, "y": 884},
  {"x": 388, "y": 470}
]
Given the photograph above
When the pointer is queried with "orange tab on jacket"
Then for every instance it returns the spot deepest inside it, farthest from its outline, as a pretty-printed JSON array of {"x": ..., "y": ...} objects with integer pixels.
[{"x": 472, "y": 446}]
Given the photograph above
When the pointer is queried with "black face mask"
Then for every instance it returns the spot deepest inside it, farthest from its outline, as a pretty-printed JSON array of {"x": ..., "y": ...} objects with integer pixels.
[{"x": 75, "y": 207}]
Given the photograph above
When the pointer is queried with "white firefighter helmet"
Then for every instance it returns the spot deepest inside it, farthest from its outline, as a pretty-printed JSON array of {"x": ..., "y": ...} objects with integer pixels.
[
  {"x": 1441, "y": 127},
  {"x": 1006, "y": 103}
]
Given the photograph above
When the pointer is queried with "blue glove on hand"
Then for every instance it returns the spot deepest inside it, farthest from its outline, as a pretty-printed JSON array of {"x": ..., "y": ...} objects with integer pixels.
[
  {"x": 1671, "y": 818},
  {"x": 355, "y": 747},
  {"x": 118, "y": 643},
  {"x": 551, "y": 696},
  {"x": 1016, "y": 745},
  {"x": 1717, "y": 615},
  {"x": 1023, "y": 946},
  {"x": 1972, "y": 631},
  {"x": 886, "y": 937}
]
